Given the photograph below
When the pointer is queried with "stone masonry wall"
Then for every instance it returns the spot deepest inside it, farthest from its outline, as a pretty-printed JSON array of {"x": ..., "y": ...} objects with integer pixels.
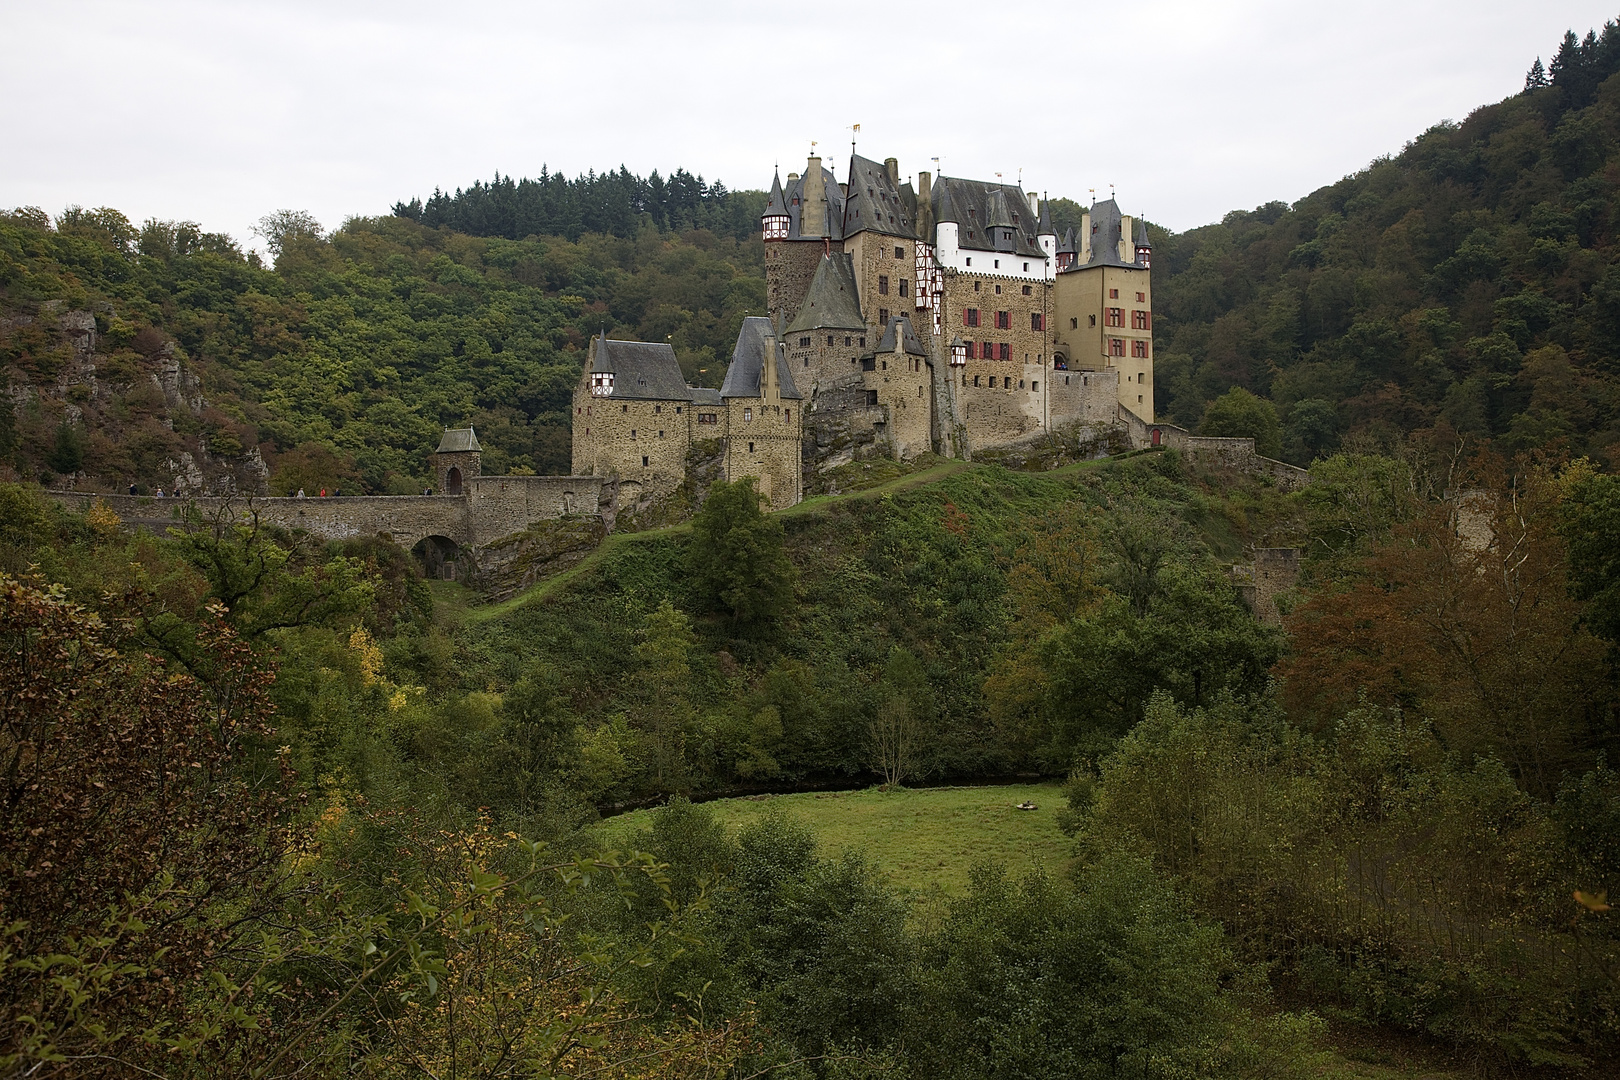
[
  {"x": 493, "y": 507},
  {"x": 790, "y": 266},
  {"x": 820, "y": 364},
  {"x": 1082, "y": 397},
  {"x": 1000, "y": 402},
  {"x": 878, "y": 277},
  {"x": 766, "y": 442},
  {"x": 641, "y": 443},
  {"x": 904, "y": 385}
]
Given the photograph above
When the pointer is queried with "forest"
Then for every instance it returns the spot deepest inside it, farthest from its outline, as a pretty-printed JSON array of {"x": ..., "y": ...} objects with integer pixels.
[{"x": 279, "y": 807}]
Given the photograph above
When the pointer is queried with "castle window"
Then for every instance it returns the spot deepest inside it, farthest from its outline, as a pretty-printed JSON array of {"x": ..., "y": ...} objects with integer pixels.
[
  {"x": 1035, "y": 387},
  {"x": 677, "y": 410},
  {"x": 975, "y": 286},
  {"x": 1093, "y": 319},
  {"x": 1141, "y": 298},
  {"x": 1003, "y": 320},
  {"x": 863, "y": 340},
  {"x": 1065, "y": 380},
  {"x": 1074, "y": 324},
  {"x": 1139, "y": 399},
  {"x": 624, "y": 408},
  {"x": 1037, "y": 321},
  {"x": 788, "y": 415},
  {"x": 970, "y": 261},
  {"x": 804, "y": 342},
  {"x": 660, "y": 434},
  {"x": 885, "y": 365},
  {"x": 998, "y": 290},
  {"x": 919, "y": 391},
  {"x": 1141, "y": 376},
  {"x": 1116, "y": 316},
  {"x": 975, "y": 380},
  {"x": 807, "y": 361},
  {"x": 1026, "y": 287},
  {"x": 970, "y": 316},
  {"x": 632, "y": 433},
  {"x": 1026, "y": 270},
  {"x": 829, "y": 339},
  {"x": 883, "y": 284},
  {"x": 1139, "y": 349},
  {"x": 658, "y": 409},
  {"x": 1006, "y": 382},
  {"x": 748, "y": 414},
  {"x": 846, "y": 339},
  {"x": 644, "y": 461},
  {"x": 883, "y": 316},
  {"x": 1116, "y": 347},
  {"x": 1006, "y": 351},
  {"x": 1113, "y": 294},
  {"x": 902, "y": 286},
  {"x": 1139, "y": 320},
  {"x": 1020, "y": 384},
  {"x": 899, "y": 252},
  {"x": 579, "y": 411},
  {"x": 750, "y": 448},
  {"x": 997, "y": 267}
]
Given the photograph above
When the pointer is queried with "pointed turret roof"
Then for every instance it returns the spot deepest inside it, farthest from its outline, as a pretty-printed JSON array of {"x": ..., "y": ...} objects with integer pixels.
[
  {"x": 745, "y": 376},
  {"x": 944, "y": 209},
  {"x": 776, "y": 205},
  {"x": 1044, "y": 226},
  {"x": 833, "y": 301},
  {"x": 1142, "y": 234}
]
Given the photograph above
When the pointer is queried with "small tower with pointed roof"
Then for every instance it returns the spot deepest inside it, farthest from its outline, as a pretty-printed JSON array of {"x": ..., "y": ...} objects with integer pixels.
[{"x": 457, "y": 460}]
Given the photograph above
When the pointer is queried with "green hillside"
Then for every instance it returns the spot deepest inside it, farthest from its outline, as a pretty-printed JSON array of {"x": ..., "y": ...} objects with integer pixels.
[{"x": 1465, "y": 281}]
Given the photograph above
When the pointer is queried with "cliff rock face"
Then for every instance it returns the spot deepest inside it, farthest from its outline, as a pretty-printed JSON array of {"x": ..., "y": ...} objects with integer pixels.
[{"x": 87, "y": 402}]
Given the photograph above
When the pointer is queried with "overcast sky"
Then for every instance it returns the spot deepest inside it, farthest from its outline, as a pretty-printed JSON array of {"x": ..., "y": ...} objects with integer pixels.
[{"x": 223, "y": 112}]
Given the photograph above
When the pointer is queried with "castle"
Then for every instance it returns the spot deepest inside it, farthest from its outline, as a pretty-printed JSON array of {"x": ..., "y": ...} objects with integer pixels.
[{"x": 946, "y": 317}]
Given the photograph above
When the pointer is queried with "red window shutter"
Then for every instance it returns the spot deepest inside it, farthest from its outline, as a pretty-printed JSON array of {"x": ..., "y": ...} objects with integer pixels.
[{"x": 964, "y": 317}]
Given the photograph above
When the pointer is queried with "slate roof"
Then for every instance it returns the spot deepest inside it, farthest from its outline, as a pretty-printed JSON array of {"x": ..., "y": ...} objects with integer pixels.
[
  {"x": 1106, "y": 223},
  {"x": 642, "y": 370},
  {"x": 991, "y": 217},
  {"x": 1044, "y": 226},
  {"x": 705, "y": 396},
  {"x": 776, "y": 205},
  {"x": 747, "y": 368},
  {"x": 900, "y": 326},
  {"x": 832, "y": 301},
  {"x": 458, "y": 440},
  {"x": 1142, "y": 234},
  {"x": 1067, "y": 242},
  {"x": 793, "y": 194},
  {"x": 875, "y": 202}
]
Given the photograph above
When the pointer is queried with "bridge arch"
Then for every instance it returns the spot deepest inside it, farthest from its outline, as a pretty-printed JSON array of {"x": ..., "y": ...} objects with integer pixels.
[{"x": 439, "y": 557}]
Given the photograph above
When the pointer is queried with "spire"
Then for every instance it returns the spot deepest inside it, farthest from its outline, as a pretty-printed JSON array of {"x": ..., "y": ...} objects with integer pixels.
[
  {"x": 776, "y": 205},
  {"x": 1142, "y": 240},
  {"x": 1044, "y": 228}
]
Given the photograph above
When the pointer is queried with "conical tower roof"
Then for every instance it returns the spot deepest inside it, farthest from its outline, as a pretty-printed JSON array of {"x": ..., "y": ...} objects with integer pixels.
[
  {"x": 1044, "y": 228},
  {"x": 776, "y": 205}
]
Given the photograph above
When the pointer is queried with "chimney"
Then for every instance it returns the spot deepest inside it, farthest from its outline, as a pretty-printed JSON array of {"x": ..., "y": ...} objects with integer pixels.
[
  {"x": 892, "y": 167},
  {"x": 1034, "y": 204},
  {"x": 813, "y": 214},
  {"x": 924, "y": 187},
  {"x": 925, "y": 207},
  {"x": 792, "y": 176}
]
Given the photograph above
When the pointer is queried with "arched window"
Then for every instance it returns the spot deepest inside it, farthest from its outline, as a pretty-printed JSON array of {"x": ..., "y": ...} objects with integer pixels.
[{"x": 452, "y": 481}]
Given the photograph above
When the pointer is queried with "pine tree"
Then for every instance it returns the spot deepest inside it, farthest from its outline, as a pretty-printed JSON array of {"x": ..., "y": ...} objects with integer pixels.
[{"x": 1536, "y": 78}]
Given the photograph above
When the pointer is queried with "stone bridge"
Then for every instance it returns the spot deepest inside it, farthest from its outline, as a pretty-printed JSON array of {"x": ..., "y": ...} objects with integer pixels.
[{"x": 489, "y": 508}]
